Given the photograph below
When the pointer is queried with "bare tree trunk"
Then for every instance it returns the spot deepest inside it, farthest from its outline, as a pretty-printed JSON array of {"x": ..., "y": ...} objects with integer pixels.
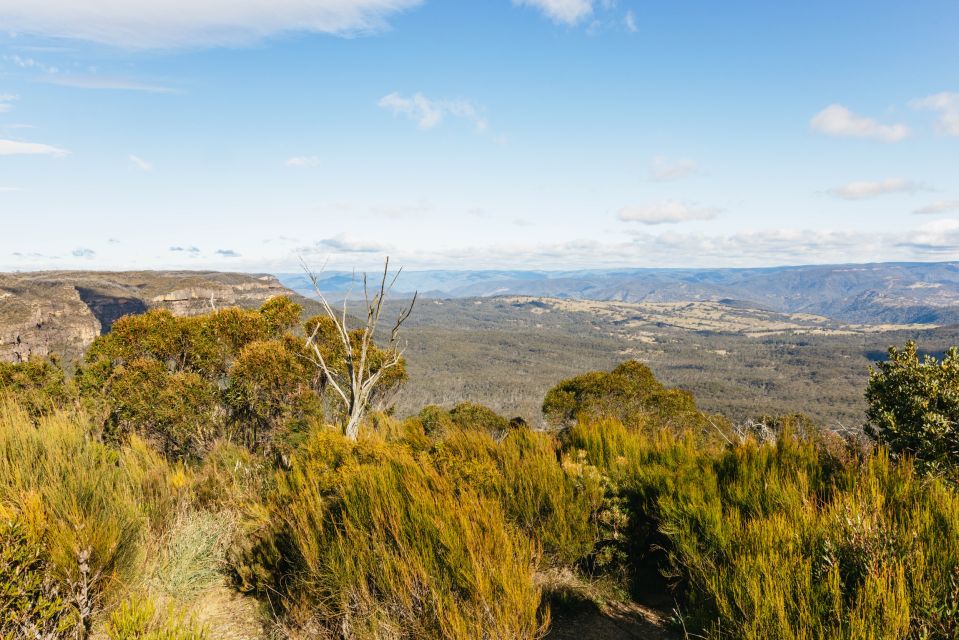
[{"x": 355, "y": 386}]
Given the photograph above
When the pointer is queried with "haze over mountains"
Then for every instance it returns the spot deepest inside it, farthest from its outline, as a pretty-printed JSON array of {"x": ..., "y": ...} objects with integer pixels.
[{"x": 898, "y": 293}]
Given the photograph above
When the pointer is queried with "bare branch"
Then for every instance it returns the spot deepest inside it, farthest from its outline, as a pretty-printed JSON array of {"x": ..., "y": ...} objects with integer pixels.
[{"x": 357, "y": 386}]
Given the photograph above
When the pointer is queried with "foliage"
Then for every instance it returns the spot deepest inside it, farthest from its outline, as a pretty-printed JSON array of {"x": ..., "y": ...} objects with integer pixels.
[
  {"x": 140, "y": 619},
  {"x": 178, "y": 411},
  {"x": 30, "y": 605},
  {"x": 271, "y": 386},
  {"x": 184, "y": 382},
  {"x": 554, "y": 505},
  {"x": 371, "y": 542},
  {"x": 39, "y": 385},
  {"x": 469, "y": 415},
  {"x": 778, "y": 540},
  {"x": 914, "y": 407},
  {"x": 85, "y": 506},
  {"x": 629, "y": 393}
]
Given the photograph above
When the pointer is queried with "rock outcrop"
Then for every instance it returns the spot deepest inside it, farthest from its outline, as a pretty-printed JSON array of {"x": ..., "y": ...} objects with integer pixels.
[{"x": 62, "y": 312}]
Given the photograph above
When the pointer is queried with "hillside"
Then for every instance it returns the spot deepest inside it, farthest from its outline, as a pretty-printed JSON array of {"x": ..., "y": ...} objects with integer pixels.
[{"x": 896, "y": 293}]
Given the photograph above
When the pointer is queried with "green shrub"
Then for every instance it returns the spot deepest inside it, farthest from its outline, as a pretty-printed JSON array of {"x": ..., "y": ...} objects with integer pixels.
[
  {"x": 435, "y": 420},
  {"x": 631, "y": 394},
  {"x": 30, "y": 602},
  {"x": 469, "y": 415},
  {"x": 140, "y": 619},
  {"x": 271, "y": 386},
  {"x": 914, "y": 407},
  {"x": 551, "y": 504},
  {"x": 39, "y": 385},
  {"x": 82, "y": 499},
  {"x": 370, "y": 542},
  {"x": 777, "y": 541},
  {"x": 179, "y": 412},
  {"x": 184, "y": 382}
]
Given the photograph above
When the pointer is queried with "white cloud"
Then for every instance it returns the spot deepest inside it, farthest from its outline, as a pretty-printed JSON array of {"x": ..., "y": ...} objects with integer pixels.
[
  {"x": 227, "y": 253},
  {"x": 564, "y": 11},
  {"x": 837, "y": 120},
  {"x": 140, "y": 163},
  {"x": 15, "y": 147},
  {"x": 865, "y": 189},
  {"x": 6, "y": 100},
  {"x": 668, "y": 212},
  {"x": 302, "y": 161},
  {"x": 104, "y": 82},
  {"x": 28, "y": 63},
  {"x": 346, "y": 244},
  {"x": 938, "y": 207},
  {"x": 9, "y": 189},
  {"x": 947, "y": 105},
  {"x": 428, "y": 112},
  {"x": 662, "y": 169},
  {"x": 630, "y": 21},
  {"x": 148, "y": 24},
  {"x": 935, "y": 237},
  {"x": 83, "y": 252}
]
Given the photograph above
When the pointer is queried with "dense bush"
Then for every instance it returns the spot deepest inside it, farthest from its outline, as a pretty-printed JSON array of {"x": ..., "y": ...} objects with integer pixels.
[
  {"x": 368, "y": 541},
  {"x": 631, "y": 394},
  {"x": 30, "y": 602},
  {"x": 538, "y": 495},
  {"x": 184, "y": 382},
  {"x": 781, "y": 541},
  {"x": 914, "y": 407},
  {"x": 244, "y": 374},
  {"x": 179, "y": 411},
  {"x": 40, "y": 385},
  {"x": 84, "y": 506},
  {"x": 141, "y": 619}
]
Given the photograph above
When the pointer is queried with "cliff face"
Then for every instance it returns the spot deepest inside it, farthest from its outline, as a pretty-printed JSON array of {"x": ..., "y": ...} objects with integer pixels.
[
  {"x": 194, "y": 300},
  {"x": 61, "y": 313}
]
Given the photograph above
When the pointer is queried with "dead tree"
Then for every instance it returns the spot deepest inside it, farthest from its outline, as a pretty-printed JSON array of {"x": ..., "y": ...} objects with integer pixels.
[{"x": 355, "y": 382}]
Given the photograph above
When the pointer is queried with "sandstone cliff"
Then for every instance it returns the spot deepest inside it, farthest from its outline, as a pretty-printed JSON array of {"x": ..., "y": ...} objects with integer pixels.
[{"x": 61, "y": 312}]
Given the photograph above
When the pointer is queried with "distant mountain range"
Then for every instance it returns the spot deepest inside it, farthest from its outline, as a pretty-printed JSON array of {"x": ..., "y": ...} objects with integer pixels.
[{"x": 892, "y": 292}]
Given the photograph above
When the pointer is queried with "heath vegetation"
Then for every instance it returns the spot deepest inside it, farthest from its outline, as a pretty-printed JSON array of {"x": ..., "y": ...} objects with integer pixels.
[{"x": 240, "y": 474}]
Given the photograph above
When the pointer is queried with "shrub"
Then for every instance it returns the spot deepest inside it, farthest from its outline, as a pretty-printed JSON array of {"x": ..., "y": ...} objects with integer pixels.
[
  {"x": 179, "y": 412},
  {"x": 39, "y": 385},
  {"x": 140, "y": 619},
  {"x": 80, "y": 500},
  {"x": 775, "y": 540},
  {"x": 914, "y": 407},
  {"x": 629, "y": 393},
  {"x": 469, "y": 415},
  {"x": 553, "y": 505},
  {"x": 30, "y": 602},
  {"x": 183, "y": 382},
  {"x": 271, "y": 385},
  {"x": 373, "y": 543}
]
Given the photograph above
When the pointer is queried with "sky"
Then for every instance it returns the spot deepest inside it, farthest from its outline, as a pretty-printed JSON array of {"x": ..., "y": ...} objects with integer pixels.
[{"x": 251, "y": 135}]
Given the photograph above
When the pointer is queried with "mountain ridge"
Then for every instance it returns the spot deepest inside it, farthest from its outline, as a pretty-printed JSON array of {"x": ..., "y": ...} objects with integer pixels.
[{"x": 884, "y": 292}]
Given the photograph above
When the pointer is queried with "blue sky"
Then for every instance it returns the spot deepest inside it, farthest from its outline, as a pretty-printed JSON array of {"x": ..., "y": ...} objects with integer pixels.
[{"x": 556, "y": 134}]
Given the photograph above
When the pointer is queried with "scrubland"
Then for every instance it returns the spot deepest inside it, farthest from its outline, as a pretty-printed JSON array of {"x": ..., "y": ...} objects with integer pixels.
[{"x": 192, "y": 479}]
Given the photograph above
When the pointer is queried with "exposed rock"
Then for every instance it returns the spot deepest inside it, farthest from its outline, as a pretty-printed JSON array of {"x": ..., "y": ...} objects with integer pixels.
[{"x": 61, "y": 313}]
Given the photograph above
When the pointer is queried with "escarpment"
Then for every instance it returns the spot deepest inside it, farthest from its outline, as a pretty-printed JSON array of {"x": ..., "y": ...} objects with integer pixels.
[{"x": 61, "y": 312}]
